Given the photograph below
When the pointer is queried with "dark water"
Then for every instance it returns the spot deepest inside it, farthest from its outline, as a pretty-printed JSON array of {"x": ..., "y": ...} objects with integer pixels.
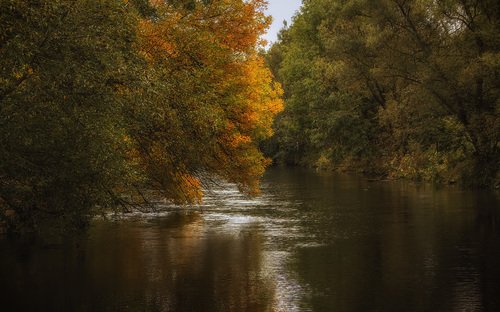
[{"x": 311, "y": 242}]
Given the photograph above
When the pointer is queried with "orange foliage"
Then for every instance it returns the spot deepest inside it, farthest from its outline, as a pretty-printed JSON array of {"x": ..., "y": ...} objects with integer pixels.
[{"x": 215, "y": 98}]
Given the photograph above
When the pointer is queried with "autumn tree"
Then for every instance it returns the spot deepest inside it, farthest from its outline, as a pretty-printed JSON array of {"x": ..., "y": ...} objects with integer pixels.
[
  {"x": 206, "y": 98},
  {"x": 105, "y": 102}
]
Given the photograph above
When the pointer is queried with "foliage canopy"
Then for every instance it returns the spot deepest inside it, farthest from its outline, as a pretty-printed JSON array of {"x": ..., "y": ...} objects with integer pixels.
[
  {"x": 102, "y": 102},
  {"x": 403, "y": 88}
]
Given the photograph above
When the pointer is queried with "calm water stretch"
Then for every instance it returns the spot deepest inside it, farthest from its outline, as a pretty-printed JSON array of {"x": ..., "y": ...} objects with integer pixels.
[{"x": 311, "y": 242}]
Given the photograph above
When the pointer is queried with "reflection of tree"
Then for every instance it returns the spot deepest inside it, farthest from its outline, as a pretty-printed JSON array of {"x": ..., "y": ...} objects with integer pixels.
[
  {"x": 170, "y": 265},
  {"x": 398, "y": 247},
  {"x": 176, "y": 267}
]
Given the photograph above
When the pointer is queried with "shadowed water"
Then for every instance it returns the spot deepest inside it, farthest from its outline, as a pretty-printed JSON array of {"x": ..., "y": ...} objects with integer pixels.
[{"x": 311, "y": 242}]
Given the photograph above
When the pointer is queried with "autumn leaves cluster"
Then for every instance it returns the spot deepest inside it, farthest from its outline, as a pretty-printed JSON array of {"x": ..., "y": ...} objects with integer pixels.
[{"x": 104, "y": 103}]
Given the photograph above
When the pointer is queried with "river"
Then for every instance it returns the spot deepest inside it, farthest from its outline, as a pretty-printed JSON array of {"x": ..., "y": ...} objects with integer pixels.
[{"x": 311, "y": 242}]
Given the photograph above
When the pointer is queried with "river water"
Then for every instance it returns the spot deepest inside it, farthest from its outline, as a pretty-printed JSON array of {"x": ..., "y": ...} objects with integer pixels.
[{"x": 310, "y": 242}]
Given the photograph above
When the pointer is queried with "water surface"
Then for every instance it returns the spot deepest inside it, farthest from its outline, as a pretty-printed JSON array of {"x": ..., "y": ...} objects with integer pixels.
[{"x": 311, "y": 242}]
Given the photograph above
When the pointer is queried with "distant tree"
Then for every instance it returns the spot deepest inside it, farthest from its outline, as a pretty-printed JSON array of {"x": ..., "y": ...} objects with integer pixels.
[{"x": 411, "y": 86}]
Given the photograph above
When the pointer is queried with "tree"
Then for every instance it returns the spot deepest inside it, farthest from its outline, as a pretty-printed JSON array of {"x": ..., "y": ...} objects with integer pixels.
[
  {"x": 420, "y": 78},
  {"x": 104, "y": 102},
  {"x": 61, "y": 65},
  {"x": 212, "y": 97}
]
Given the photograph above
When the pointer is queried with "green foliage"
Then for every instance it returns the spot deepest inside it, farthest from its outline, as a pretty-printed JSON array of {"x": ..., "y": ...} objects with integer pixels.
[
  {"x": 61, "y": 62},
  {"x": 404, "y": 88}
]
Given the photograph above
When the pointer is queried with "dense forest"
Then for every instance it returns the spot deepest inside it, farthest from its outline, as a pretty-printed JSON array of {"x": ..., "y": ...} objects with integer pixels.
[
  {"x": 392, "y": 88},
  {"x": 102, "y": 102}
]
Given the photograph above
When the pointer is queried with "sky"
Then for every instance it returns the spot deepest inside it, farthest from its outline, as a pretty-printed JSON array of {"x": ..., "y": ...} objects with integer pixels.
[{"x": 280, "y": 10}]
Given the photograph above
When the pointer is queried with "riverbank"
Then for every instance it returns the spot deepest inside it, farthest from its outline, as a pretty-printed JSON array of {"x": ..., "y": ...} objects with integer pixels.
[{"x": 386, "y": 171}]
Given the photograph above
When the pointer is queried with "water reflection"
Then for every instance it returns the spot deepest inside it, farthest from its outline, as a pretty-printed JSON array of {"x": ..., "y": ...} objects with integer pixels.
[
  {"x": 311, "y": 242},
  {"x": 167, "y": 265},
  {"x": 400, "y": 247}
]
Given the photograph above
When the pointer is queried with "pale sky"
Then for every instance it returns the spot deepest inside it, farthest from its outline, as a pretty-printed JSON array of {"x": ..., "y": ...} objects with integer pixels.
[{"x": 280, "y": 10}]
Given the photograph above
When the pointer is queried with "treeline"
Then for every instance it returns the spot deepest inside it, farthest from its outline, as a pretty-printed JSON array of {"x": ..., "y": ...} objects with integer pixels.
[
  {"x": 394, "y": 88},
  {"x": 104, "y": 101}
]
